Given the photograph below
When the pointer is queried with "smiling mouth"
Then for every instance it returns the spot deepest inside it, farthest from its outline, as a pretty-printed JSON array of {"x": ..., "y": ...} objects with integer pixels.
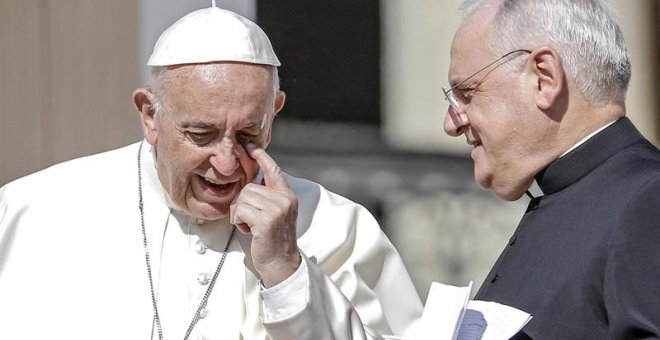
[
  {"x": 475, "y": 144},
  {"x": 216, "y": 185}
]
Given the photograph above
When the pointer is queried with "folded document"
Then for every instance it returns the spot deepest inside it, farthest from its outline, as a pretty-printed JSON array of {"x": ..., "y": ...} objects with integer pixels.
[{"x": 450, "y": 315}]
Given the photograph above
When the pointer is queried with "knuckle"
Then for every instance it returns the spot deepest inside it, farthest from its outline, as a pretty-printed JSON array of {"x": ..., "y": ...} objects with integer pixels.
[{"x": 279, "y": 210}]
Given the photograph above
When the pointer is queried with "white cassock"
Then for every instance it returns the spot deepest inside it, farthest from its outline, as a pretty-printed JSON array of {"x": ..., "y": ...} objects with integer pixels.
[{"x": 72, "y": 264}]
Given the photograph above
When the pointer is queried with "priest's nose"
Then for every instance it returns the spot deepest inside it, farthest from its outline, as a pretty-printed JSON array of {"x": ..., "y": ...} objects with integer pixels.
[{"x": 455, "y": 123}]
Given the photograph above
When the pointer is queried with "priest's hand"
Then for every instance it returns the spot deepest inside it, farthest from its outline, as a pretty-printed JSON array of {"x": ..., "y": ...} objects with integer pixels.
[{"x": 269, "y": 212}]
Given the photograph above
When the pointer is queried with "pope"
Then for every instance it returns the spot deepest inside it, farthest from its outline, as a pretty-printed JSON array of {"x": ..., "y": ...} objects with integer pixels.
[{"x": 195, "y": 231}]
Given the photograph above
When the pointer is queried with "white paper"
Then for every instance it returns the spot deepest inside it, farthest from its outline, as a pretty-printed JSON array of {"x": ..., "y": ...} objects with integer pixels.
[
  {"x": 443, "y": 312},
  {"x": 487, "y": 320},
  {"x": 450, "y": 315}
]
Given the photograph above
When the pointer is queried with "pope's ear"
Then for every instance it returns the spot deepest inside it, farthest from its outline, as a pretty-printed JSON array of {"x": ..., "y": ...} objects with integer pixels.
[
  {"x": 550, "y": 77},
  {"x": 280, "y": 98},
  {"x": 142, "y": 101}
]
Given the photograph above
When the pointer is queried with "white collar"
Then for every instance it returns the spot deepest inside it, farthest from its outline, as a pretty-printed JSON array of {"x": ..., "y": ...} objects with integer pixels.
[
  {"x": 583, "y": 140},
  {"x": 535, "y": 189}
]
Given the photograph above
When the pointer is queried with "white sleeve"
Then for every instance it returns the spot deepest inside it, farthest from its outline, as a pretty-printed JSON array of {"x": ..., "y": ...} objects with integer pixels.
[
  {"x": 357, "y": 287},
  {"x": 286, "y": 298},
  {"x": 6, "y": 229},
  {"x": 325, "y": 314}
]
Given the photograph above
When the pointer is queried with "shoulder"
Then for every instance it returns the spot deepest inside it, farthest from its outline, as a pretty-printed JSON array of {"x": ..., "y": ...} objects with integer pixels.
[
  {"x": 632, "y": 181},
  {"x": 637, "y": 227},
  {"x": 333, "y": 218},
  {"x": 640, "y": 159},
  {"x": 644, "y": 202},
  {"x": 314, "y": 196},
  {"x": 91, "y": 173},
  {"x": 629, "y": 173},
  {"x": 633, "y": 261}
]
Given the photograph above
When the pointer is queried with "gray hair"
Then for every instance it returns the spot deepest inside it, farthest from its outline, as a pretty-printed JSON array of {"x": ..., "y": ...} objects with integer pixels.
[
  {"x": 159, "y": 80},
  {"x": 585, "y": 34}
]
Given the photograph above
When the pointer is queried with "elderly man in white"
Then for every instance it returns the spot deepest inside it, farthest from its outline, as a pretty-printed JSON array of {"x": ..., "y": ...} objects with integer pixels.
[{"x": 195, "y": 232}]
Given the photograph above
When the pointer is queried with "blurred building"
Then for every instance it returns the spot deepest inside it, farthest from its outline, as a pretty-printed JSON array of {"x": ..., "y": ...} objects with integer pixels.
[{"x": 363, "y": 115}]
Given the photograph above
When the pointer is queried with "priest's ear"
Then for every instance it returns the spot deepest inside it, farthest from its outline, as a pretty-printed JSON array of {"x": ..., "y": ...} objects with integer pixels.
[
  {"x": 550, "y": 81},
  {"x": 142, "y": 99}
]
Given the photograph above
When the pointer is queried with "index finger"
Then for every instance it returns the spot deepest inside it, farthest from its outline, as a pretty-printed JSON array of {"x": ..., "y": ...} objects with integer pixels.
[{"x": 273, "y": 176}]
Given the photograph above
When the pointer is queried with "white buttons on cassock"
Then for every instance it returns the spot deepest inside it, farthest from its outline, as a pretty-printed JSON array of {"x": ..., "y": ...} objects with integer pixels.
[
  {"x": 203, "y": 279},
  {"x": 203, "y": 313},
  {"x": 200, "y": 248}
]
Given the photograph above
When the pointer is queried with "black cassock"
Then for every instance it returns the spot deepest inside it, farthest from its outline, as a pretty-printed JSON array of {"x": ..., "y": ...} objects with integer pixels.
[{"x": 585, "y": 258}]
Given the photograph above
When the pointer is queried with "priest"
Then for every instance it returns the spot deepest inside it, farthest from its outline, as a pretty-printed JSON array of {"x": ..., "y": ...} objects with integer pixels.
[
  {"x": 538, "y": 89},
  {"x": 195, "y": 231}
]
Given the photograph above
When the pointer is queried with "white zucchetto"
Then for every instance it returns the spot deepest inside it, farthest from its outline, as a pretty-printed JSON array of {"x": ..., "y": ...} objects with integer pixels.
[{"x": 213, "y": 34}]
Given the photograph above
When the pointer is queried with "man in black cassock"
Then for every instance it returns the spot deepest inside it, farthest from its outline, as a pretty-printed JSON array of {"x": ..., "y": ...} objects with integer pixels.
[{"x": 538, "y": 89}]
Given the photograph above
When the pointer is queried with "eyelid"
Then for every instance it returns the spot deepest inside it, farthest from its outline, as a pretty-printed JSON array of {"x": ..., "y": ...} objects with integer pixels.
[
  {"x": 469, "y": 82},
  {"x": 198, "y": 128},
  {"x": 467, "y": 89},
  {"x": 461, "y": 81},
  {"x": 201, "y": 133},
  {"x": 200, "y": 137},
  {"x": 248, "y": 135},
  {"x": 251, "y": 129}
]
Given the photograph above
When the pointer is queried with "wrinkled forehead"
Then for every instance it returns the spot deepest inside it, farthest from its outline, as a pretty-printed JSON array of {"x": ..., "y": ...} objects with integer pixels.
[
  {"x": 237, "y": 88},
  {"x": 235, "y": 73},
  {"x": 222, "y": 80},
  {"x": 473, "y": 44}
]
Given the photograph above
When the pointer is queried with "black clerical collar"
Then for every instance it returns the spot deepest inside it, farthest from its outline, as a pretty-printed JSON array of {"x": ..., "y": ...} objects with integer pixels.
[{"x": 586, "y": 157}]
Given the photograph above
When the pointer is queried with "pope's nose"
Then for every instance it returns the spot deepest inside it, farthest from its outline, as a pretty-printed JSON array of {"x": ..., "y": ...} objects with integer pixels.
[{"x": 224, "y": 159}]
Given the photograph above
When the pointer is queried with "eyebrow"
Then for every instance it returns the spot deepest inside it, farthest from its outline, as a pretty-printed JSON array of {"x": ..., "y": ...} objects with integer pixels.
[
  {"x": 250, "y": 125},
  {"x": 255, "y": 125},
  {"x": 197, "y": 125},
  {"x": 456, "y": 81},
  {"x": 462, "y": 80}
]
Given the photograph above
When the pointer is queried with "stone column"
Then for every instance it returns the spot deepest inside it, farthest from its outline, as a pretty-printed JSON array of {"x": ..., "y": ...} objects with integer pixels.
[
  {"x": 416, "y": 37},
  {"x": 68, "y": 69},
  {"x": 639, "y": 22}
]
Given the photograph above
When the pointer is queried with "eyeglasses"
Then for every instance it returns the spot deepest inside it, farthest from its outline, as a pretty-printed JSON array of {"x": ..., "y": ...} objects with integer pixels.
[{"x": 456, "y": 105}]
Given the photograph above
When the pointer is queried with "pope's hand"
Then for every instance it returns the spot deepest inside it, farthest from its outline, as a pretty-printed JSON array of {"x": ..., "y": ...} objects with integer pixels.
[{"x": 269, "y": 212}]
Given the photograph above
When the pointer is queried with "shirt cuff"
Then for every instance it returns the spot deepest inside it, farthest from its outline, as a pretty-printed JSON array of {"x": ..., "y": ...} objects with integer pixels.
[{"x": 286, "y": 298}]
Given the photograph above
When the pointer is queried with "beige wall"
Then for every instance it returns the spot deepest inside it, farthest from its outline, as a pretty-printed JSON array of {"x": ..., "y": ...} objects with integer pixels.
[
  {"x": 639, "y": 21},
  {"x": 68, "y": 69}
]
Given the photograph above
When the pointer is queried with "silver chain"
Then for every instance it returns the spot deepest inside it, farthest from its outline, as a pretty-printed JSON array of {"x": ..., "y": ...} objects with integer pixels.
[{"x": 205, "y": 299}]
